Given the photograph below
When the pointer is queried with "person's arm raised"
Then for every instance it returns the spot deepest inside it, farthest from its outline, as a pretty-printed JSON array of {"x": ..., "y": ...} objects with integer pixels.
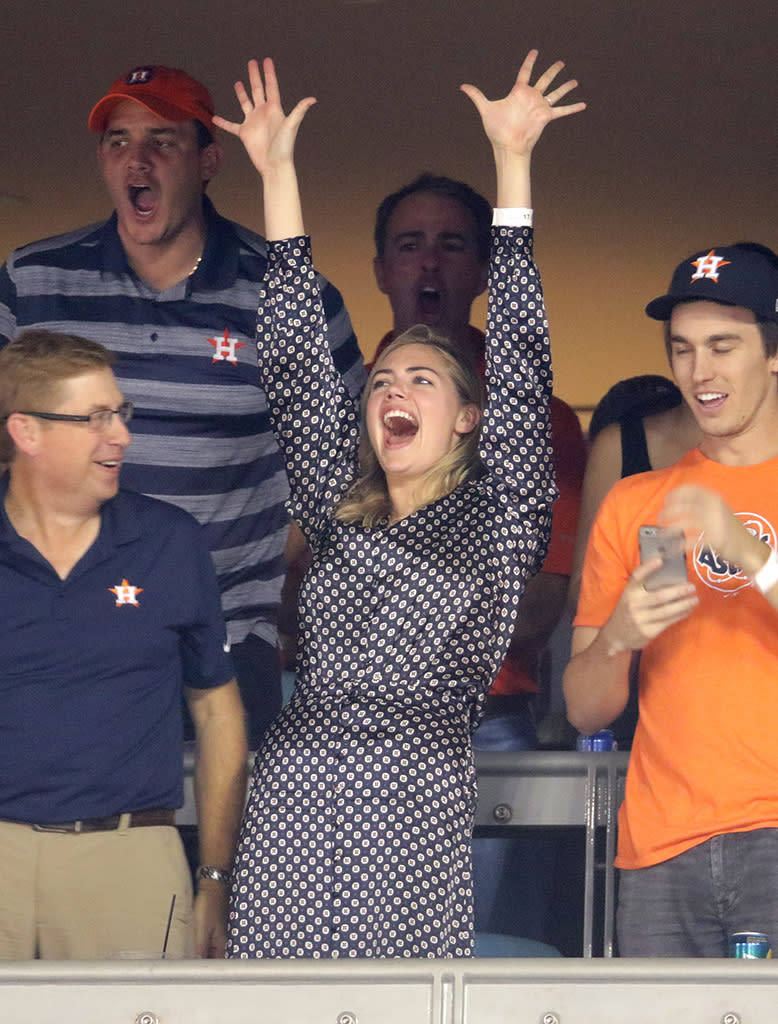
[
  {"x": 268, "y": 136},
  {"x": 515, "y": 123}
]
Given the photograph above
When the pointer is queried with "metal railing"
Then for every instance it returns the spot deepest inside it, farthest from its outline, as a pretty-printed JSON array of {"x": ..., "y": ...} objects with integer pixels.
[{"x": 562, "y": 788}]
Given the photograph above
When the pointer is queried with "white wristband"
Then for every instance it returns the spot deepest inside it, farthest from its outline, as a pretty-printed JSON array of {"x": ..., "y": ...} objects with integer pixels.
[
  {"x": 767, "y": 577},
  {"x": 512, "y": 217}
]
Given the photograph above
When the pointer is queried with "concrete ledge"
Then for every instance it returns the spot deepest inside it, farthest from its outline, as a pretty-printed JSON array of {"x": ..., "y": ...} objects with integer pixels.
[{"x": 390, "y": 992}]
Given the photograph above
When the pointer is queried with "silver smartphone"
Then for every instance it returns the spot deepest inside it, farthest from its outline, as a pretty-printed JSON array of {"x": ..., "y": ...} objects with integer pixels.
[{"x": 670, "y": 546}]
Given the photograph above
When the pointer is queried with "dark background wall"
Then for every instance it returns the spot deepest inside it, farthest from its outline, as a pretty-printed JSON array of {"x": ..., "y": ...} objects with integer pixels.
[{"x": 678, "y": 148}]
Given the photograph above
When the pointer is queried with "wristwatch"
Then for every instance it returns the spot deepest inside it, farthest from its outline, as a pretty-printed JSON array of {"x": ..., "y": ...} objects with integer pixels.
[{"x": 215, "y": 874}]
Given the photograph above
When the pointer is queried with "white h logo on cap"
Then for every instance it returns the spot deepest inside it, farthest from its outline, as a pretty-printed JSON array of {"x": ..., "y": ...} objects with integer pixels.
[
  {"x": 709, "y": 266},
  {"x": 139, "y": 76}
]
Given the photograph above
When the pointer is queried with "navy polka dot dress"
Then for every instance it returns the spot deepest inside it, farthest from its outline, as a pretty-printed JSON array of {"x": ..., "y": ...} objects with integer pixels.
[{"x": 356, "y": 837}]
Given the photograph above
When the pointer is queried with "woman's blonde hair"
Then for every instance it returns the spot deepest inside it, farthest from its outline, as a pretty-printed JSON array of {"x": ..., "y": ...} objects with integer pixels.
[{"x": 367, "y": 500}]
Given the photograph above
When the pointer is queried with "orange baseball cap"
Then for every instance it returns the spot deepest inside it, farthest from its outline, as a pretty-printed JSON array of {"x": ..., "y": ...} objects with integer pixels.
[{"x": 168, "y": 92}]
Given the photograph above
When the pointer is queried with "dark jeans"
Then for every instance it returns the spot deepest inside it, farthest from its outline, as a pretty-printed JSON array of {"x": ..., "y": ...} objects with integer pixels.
[{"x": 689, "y": 905}]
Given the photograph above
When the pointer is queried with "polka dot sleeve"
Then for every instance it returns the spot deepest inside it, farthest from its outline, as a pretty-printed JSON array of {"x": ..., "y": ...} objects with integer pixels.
[
  {"x": 315, "y": 420},
  {"x": 516, "y": 441}
]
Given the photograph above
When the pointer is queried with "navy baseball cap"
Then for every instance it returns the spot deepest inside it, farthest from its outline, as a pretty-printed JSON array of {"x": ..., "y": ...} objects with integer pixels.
[{"x": 744, "y": 275}]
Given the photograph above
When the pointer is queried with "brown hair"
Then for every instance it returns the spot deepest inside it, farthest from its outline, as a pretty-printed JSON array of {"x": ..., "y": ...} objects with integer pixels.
[
  {"x": 480, "y": 209},
  {"x": 32, "y": 369}
]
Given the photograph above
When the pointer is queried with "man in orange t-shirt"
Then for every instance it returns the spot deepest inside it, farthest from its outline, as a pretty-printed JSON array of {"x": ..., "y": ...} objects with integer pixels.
[{"x": 698, "y": 829}]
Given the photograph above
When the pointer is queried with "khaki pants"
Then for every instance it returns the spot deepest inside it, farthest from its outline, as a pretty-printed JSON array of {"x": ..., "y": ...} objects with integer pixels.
[{"x": 94, "y": 895}]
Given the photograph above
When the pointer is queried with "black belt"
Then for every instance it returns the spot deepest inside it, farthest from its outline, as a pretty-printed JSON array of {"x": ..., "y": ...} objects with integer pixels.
[{"x": 138, "y": 819}]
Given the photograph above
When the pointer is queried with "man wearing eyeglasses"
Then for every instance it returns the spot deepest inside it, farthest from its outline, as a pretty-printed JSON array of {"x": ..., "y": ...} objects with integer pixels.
[
  {"x": 171, "y": 287},
  {"x": 108, "y": 604}
]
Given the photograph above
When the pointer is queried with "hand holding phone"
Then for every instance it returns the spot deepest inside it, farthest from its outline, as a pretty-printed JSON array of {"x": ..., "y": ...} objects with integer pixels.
[{"x": 670, "y": 546}]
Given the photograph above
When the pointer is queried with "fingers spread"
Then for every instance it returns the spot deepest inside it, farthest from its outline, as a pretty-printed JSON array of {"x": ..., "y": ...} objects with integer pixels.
[
  {"x": 255, "y": 81},
  {"x": 243, "y": 97},
  {"x": 272, "y": 92},
  {"x": 549, "y": 75},
  {"x": 525, "y": 71},
  {"x": 475, "y": 94},
  {"x": 228, "y": 126}
]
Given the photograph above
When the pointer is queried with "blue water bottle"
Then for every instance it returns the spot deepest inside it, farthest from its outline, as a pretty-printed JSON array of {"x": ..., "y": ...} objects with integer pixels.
[{"x": 597, "y": 741}]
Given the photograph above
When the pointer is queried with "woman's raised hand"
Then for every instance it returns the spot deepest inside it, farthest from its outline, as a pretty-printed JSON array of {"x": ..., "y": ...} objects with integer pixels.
[
  {"x": 515, "y": 123},
  {"x": 266, "y": 132}
]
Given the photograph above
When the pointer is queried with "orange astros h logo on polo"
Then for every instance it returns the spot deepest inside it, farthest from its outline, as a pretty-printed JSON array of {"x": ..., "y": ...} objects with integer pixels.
[
  {"x": 226, "y": 347},
  {"x": 714, "y": 572},
  {"x": 709, "y": 266},
  {"x": 126, "y": 593}
]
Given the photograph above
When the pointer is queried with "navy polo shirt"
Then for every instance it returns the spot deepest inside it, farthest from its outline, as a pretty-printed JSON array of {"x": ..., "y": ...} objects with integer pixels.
[
  {"x": 187, "y": 358},
  {"x": 92, "y": 666}
]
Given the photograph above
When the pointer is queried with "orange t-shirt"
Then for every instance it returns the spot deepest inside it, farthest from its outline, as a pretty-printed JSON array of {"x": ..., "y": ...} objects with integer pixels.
[{"x": 704, "y": 759}]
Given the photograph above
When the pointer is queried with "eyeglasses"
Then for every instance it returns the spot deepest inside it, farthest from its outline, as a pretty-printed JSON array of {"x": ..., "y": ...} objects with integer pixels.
[{"x": 97, "y": 422}]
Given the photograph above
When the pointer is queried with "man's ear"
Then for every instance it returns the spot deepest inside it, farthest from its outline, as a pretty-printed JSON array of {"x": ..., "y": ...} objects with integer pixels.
[
  {"x": 468, "y": 419},
  {"x": 211, "y": 159},
  {"x": 24, "y": 431},
  {"x": 378, "y": 270}
]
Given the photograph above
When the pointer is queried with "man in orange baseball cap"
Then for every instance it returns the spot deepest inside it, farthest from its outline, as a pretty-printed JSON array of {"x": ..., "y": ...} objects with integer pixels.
[
  {"x": 157, "y": 155},
  {"x": 171, "y": 287},
  {"x": 168, "y": 92}
]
